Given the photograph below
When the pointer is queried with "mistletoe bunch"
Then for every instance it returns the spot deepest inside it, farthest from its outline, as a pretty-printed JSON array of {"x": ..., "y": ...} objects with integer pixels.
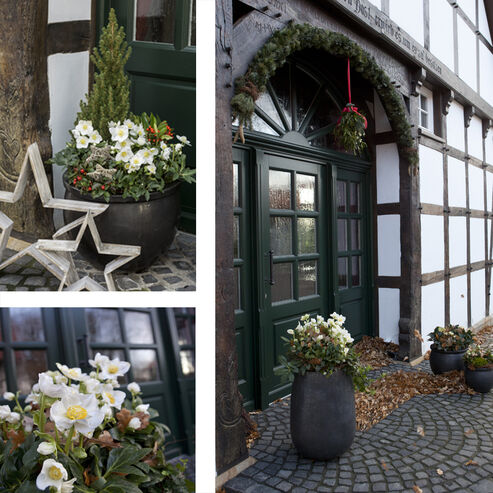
[{"x": 350, "y": 130}]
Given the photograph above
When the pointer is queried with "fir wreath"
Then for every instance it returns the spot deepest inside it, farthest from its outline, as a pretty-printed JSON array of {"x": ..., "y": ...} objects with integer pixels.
[{"x": 296, "y": 37}]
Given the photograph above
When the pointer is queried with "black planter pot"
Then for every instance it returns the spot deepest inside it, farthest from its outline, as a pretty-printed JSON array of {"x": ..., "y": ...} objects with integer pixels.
[
  {"x": 149, "y": 224},
  {"x": 323, "y": 416},
  {"x": 480, "y": 379},
  {"x": 444, "y": 361}
]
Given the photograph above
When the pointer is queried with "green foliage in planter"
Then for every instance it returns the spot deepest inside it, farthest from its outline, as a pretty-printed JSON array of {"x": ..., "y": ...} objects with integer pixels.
[
  {"x": 478, "y": 357},
  {"x": 350, "y": 131},
  {"x": 109, "y": 97},
  {"x": 296, "y": 37},
  {"x": 451, "y": 338}
]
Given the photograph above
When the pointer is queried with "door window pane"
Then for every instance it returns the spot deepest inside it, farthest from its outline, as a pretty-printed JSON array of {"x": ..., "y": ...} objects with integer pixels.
[
  {"x": 138, "y": 328},
  {"x": 283, "y": 285},
  {"x": 265, "y": 103},
  {"x": 307, "y": 278},
  {"x": 356, "y": 271},
  {"x": 341, "y": 235},
  {"x": 3, "y": 378},
  {"x": 26, "y": 324},
  {"x": 28, "y": 365},
  {"x": 104, "y": 325},
  {"x": 305, "y": 192},
  {"x": 342, "y": 276},
  {"x": 279, "y": 189},
  {"x": 236, "y": 186},
  {"x": 307, "y": 235},
  {"x": 355, "y": 234},
  {"x": 306, "y": 87},
  {"x": 281, "y": 81},
  {"x": 187, "y": 359},
  {"x": 281, "y": 235},
  {"x": 144, "y": 365},
  {"x": 237, "y": 281},
  {"x": 354, "y": 197},
  {"x": 155, "y": 21},
  {"x": 236, "y": 237},
  {"x": 185, "y": 332},
  {"x": 341, "y": 196}
]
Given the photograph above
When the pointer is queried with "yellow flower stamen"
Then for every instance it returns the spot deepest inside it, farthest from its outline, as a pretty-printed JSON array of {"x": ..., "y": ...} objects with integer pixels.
[
  {"x": 110, "y": 398},
  {"x": 55, "y": 473},
  {"x": 73, "y": 373},
  {"x": 76, "y": 412},
  {"x": 112, "y": 369}
]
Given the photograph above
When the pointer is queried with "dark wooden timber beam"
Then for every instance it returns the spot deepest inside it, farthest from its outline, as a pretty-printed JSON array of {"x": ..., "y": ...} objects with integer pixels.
[{"x": 68, "y": 37}]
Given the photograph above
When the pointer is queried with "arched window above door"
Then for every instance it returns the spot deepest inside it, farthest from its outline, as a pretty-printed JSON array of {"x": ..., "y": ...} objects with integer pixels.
[{"x": 299, "y": 106}]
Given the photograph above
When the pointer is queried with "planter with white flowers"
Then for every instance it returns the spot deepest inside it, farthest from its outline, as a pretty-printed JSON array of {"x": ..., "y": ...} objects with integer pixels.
[{"x": 79, "y": 433}]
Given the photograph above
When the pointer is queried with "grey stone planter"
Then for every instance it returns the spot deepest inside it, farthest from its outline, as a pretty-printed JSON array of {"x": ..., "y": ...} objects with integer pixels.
[{"x": 323, "y": 416}]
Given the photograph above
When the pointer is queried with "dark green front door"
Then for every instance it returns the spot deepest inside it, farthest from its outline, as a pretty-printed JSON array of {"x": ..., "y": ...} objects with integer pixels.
[
  {"x": 161, "y": 68},
  {"x": 294, "y": 255}
]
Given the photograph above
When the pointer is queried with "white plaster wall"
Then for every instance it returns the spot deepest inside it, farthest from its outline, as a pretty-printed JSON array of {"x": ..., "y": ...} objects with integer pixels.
[
  {"x": 432, "y": 310},
  {"x": 469, "y": 8},
  {"x": 467, "y": 53},
  {"x": 430, "y": 176},
  {"x": 485, "y": 73},
  {"x": 387, "y": 174},
  {"x": 455, "y": 126},
  {"x": 477, "y": 239},
  {"x": 377, "y": 3},
  {"x": 489, "y": 191},
  {"x": 389, "y": 245},
  {"x": 483, "y": 21},
  {"x": 382, "y": 123},
  {"x": 68, "y": 76},
  {"x": 432, "y": 243},
  {"x": 68, "y": 10},
  {"x": 457, "y": 241},
  {"x": 456, "y": 182},
  {"x": 458, "y": 301},
  {"x": 388, "y": 314},
  {"x": 409, "y": 16},
  {"x": 489, "y": 145},
  {"x": 442, "y": 31},
  {"x": 475, "y": 138},
  {"x": 477, "y": 296},
  {"x": 476, "y": 188}
]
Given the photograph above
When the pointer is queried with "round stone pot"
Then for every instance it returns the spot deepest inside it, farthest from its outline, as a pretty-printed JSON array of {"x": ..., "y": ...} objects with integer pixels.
[
  {"x": 444, "y": 361},
  {"x": 149, "y": 224},
  {"x": 323, "y": 416},
  {"x": 480, "y": 379}
]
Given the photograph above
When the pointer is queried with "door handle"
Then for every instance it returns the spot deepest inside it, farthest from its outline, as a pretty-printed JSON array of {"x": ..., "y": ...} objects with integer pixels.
[{"x": 271, "y": 267}]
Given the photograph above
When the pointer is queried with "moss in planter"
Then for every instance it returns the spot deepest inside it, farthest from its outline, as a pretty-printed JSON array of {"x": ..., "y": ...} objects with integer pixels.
[{"x": 296, "y": 37}]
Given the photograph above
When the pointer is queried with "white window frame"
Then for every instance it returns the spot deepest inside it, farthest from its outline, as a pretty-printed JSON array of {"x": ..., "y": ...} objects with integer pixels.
[{"x": 427, "y": 94}]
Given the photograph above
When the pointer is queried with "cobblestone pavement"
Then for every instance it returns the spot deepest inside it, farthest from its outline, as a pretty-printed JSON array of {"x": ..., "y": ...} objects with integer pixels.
[
  {"x": 391, "y": 456},
  {"x": 174, "y": 271}
]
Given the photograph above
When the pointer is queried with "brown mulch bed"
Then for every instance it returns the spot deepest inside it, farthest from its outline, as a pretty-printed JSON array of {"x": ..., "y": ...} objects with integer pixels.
[
  {"x": 389, "y": 392},
  {"x": 373, "y": 351},
  {"x": 485, "y": 336}
]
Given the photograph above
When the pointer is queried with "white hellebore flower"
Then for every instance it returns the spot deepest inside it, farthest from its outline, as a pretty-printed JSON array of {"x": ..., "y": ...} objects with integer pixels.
[
  {"x": 4, "y": 412},
  {"x": 93, "y": 386},
  {"x": 183, "y": 140},
  {"x": 134, "y": 387},
  {"x": 290, "y": 331},
  {"x": 52, "y": 474},
  {"x": 82, "y": 142},
  {"x": 72, "y": 373},
  {"x": 134, "y": 424},
  {"x": 14, "y": 418},
  {"x": 9, "y": 396},
  {"x": 129, "y": 123},
  {"x": 166, "y": 153},
  {"x": 112, "y": 397},
  {"x": 135, "y": 163},
  {"x": 147, "y": 155},
  {"x": 151, "y": 168},
  {"x": 114, "y": 368},
  {"x": 79, "y": 410},
  {"x": 124, "y": 155},
  {"x": 84, "y": 127},
  {"x": 141, "y": 141},
  {"x": 119, "y": 133},
  {"x": 68, "y": 486},
  {"x": 95, "y": 137},
  {"x": 142, "y": 408},
  {"x": 178, "y": 147},
  {"x": 48, "y": 387},
  {"x": 99, "y": 360},
  {"x": 46, "y": 448}
]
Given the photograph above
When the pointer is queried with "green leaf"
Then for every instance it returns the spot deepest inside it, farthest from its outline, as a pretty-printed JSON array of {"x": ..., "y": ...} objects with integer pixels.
[{"x": 121, "y": 458}]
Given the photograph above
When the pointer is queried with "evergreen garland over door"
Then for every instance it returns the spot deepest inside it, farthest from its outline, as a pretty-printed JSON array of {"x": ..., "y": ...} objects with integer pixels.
[{"x": 161, "y": 68}]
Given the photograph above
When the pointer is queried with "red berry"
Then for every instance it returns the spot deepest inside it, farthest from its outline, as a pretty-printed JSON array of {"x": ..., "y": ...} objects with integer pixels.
[
  {"x": 75, "y": 181},
  {"x": 89, "y": 189},
  {"x": 102, "y": 187},
  {"x": 79, "y": 178}
]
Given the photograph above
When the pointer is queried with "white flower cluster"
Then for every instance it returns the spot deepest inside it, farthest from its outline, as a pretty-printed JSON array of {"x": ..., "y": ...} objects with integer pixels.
[
  {"x": 80, "y": 403},
  {"x": 129, "y": 145}
]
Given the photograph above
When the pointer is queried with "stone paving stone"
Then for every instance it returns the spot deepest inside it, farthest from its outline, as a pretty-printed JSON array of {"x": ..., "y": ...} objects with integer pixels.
[
  {"x": 174, "y": 271},
  {"x": 410, "y": 459}
]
